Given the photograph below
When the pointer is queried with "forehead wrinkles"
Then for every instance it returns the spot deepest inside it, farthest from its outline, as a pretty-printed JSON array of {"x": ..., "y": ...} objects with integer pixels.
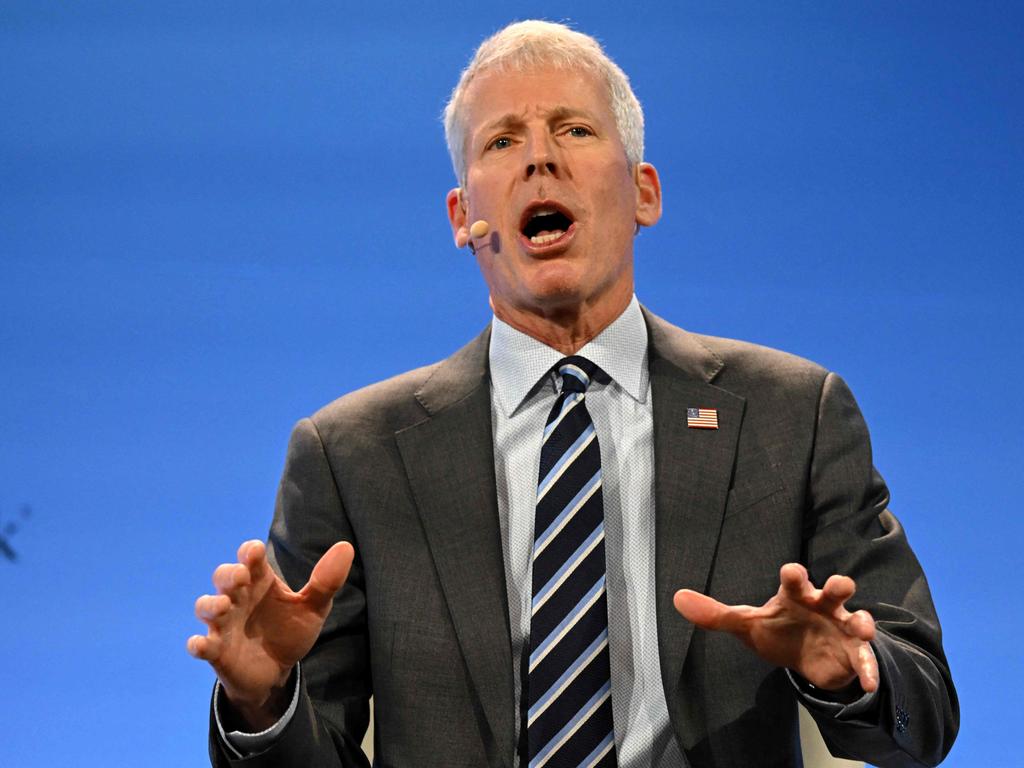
[
  {"x": 487, "y": 101},
  {"x": 496, "y": 116}
]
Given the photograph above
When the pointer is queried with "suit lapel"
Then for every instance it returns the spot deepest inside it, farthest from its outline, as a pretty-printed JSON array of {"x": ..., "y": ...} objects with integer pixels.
[
  {"x": 449, "y": 459},
  {"x": 693, "y": 470}
]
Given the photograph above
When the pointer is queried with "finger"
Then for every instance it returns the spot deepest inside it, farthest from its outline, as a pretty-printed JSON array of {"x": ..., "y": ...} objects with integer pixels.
[
  {"x": 861, "y": 625},
  {"x": 867, "y": 668},
  {"x": 204, "y": 647},
  {"x": 795, "y": 583},
  {"x": 707, "y": 612},
  {"x": 253, "y": 555},
  {"x": 213, "y": 609},
  {"x": 329, "y": 574},
  {"x": 835, "y": 593},
  {"x": 229, "y": 577}
]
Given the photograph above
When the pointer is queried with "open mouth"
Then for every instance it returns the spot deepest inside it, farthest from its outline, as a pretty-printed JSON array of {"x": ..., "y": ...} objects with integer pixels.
[{"x": 545, "y": 224}]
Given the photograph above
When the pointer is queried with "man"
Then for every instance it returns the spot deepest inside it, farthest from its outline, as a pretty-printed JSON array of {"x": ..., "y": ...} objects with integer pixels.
[{"x": 691, "y": 474}]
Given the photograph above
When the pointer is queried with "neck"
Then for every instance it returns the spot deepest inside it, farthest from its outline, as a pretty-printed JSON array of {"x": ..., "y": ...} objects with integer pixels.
[{"x": 565, "y": 328}]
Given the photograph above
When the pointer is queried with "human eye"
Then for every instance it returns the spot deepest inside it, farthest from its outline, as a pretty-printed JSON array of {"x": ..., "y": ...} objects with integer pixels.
[
  {"x": 579, "y": 131},
  {"x": 502, "y": 142}
]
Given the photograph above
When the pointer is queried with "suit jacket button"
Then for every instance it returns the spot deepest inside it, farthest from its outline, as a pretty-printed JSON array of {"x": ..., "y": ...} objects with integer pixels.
[{"x": 902, "y": 720}]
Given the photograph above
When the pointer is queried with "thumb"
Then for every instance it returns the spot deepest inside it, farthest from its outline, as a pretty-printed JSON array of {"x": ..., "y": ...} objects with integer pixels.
[
  {"x": 329, "y": 574},
  {"x": 702, "y": 610}
]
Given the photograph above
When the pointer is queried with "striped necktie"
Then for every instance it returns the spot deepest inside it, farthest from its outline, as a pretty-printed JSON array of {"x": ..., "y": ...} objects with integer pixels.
[{"x": 569, "y": 716}]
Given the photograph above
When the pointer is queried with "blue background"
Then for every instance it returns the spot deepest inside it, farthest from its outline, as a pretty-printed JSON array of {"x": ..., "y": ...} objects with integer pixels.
[{"x": 216, "y": 217}]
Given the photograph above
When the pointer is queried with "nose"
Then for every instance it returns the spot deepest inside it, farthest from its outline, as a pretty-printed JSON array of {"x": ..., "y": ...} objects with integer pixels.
[
  {"x": 543, "y": 167},
  {"x": 542, "y": 158}
]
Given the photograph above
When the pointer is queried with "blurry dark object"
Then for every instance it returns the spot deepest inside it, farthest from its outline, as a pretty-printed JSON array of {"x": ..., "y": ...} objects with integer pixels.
[{"x": 9, "y": 530}]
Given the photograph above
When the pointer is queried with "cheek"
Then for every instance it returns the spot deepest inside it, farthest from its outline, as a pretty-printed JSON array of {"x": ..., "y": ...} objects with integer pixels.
[
  {"x": 627, "y": 204},
  {"x": 617, "y": 205},
  {"x": 501, "y": 271}
]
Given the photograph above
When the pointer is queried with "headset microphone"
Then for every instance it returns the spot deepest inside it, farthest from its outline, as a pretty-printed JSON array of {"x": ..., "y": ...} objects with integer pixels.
[{"x": 478, "y": 229}]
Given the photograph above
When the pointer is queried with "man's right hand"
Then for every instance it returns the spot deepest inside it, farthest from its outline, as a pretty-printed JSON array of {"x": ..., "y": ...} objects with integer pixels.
[{"x": 258, "y": 628}]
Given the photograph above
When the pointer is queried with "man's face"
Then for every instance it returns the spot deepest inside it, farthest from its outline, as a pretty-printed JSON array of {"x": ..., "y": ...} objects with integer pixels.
[{"x": 547, "y": 170}]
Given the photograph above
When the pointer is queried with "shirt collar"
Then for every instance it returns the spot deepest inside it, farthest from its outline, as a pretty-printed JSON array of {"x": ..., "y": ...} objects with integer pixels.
[{"x": 518, "y": 361}]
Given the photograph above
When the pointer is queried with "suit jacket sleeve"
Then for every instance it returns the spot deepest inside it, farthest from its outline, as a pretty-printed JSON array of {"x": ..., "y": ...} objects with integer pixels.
[
  {"x": 308, "y": 519},
  {"x": 851, "y": 531}
]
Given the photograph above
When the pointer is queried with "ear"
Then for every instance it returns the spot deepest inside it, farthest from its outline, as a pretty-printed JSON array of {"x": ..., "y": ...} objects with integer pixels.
[
  {"x": 457, "y": 217},
  {"x": 648, "y": 194}
]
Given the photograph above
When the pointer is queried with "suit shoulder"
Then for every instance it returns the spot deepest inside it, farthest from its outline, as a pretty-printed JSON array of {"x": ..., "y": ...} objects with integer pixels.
[
  {"x": 383, "y": 407},
  {"x": 748, "y": 366},
  {"x": 407, "y": 399}
]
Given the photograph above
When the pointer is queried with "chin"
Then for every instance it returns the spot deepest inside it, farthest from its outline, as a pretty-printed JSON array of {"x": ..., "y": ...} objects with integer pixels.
[{"x": 556, "y": 278}]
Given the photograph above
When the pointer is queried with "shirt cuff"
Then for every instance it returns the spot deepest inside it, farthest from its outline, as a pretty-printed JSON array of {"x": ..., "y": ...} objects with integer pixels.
[
  {"x": 863, "y": 707},
  {"x": 246, "y": 744}
]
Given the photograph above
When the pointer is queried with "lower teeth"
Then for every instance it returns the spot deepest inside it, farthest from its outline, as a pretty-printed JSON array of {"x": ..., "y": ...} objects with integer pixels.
[{"x": 548, "y": 238}]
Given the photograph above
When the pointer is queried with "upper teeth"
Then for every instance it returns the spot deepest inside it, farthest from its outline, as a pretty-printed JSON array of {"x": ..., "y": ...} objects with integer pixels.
[{"x": 543, "y": 212}]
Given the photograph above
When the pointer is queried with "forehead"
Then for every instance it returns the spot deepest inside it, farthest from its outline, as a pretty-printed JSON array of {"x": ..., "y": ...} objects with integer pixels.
[{"x": 500, "y": 95}]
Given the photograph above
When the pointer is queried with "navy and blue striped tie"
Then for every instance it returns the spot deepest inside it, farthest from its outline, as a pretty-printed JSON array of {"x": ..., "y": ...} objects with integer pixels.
[{"x": 569, "y": 717}]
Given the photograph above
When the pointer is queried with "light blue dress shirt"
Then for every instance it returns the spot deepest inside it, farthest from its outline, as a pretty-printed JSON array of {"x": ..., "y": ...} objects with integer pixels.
[{"x": 523, "y": 390}]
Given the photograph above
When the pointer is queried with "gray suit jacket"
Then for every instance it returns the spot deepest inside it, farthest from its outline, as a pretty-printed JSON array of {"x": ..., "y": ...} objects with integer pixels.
[{"x": 405, "y": 470}]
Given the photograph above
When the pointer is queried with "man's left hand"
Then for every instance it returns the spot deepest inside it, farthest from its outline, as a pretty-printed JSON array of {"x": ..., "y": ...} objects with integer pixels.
[{"x": 805, "y": 629}]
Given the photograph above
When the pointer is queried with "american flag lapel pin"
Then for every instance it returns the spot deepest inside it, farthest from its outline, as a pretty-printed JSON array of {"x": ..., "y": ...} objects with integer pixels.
[{"x": 702, "y": 418}]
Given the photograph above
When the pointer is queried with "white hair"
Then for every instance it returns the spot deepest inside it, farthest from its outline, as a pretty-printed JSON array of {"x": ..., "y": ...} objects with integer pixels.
[{"x": 528, "y": 45}]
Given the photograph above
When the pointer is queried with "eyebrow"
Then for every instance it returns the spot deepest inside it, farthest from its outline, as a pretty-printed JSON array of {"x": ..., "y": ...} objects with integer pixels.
[{"x": 512, "y": 120}]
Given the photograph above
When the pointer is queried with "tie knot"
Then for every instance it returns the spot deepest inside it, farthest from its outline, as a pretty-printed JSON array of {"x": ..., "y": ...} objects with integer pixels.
[{"x": 576, "y": 373}]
